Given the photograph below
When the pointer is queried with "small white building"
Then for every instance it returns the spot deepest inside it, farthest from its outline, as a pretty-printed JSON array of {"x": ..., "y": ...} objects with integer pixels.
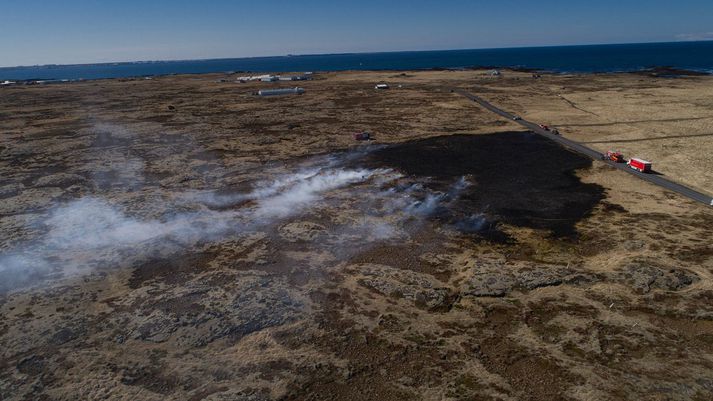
[
  {"x": 293, "y": 78},
  {"x": 272, "y": 78}
]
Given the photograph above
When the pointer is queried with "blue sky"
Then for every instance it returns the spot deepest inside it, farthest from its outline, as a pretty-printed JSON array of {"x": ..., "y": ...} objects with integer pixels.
[{"x": 83, "y": 31}]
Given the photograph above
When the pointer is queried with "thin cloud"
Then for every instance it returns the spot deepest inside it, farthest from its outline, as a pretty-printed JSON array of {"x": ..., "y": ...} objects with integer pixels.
[{"x": 695, "y": 36}]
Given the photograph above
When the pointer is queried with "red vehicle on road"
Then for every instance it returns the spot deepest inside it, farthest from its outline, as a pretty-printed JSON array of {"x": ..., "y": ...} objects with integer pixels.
[
  {"x": 615, "y": 156},
  {"x": 544, "y": 127},
  {"x": 640, "y": 165}
]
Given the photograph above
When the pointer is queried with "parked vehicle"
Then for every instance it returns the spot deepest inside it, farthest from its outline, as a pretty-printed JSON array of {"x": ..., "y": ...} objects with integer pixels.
[
  {"x": 361, "y": 136},
  {"x": 640, "y": 165},
  {"x": 615, "y": 156}
]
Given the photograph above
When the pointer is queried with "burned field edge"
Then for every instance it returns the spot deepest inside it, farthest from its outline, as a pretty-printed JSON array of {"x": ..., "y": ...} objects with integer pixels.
[{"x": 517, "y": 178}]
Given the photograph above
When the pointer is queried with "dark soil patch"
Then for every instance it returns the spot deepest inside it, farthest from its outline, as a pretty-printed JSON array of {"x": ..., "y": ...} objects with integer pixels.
[
  {"x": 405, "y": 256},
  {"x": 531, "y": 376},
  {"x": 698, "y": 254},
  {"x": 32, "y": 365},
  {"x": 373, "y": 366},
  {"x": 519, "y": 178},
  {"x": 187, "y": 305},
  {"x": 56, "y": 133},
  {"x": 169, "y": 270},
  {"x": 150, "y": 378},
  {"x": 535, "y": 377}
]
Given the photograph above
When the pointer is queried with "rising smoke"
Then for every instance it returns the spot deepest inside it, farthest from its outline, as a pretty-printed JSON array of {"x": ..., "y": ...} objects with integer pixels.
[{"x": 85, "y": 234}]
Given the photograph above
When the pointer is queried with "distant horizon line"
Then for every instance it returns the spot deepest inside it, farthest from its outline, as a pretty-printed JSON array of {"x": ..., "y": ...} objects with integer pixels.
[{"x": 343, "y": 54}]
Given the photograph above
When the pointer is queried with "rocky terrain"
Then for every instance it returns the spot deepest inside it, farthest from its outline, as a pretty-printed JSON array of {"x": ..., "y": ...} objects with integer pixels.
[{"x": 180, "y": 238}]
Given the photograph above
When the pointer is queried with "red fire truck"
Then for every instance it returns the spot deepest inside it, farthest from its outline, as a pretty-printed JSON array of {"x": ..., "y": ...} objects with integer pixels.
[
  {"x": 641, "y": 165},
  {"x": 615, "y": 156}
]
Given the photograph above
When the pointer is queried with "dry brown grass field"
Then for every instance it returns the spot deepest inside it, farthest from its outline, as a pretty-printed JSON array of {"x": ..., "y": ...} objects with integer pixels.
[{"x": 182, "y": 239}]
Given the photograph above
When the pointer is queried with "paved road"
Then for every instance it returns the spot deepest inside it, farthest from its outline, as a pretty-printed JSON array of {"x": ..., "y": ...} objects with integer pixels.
[{"x": 578, "y": 147}]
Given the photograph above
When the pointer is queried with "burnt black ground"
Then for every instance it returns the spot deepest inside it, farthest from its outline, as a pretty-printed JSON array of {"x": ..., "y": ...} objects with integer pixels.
[{"x": 519, "y": 178}]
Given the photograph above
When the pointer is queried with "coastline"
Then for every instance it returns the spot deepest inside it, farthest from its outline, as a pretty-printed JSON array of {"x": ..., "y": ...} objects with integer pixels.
[
  {"x": 696, "y": 57},
  {"x": 655, "y": 71}
]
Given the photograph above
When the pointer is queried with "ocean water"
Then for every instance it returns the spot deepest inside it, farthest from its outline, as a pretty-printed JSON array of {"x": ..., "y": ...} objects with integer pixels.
[{"x": 696, "y": 56}]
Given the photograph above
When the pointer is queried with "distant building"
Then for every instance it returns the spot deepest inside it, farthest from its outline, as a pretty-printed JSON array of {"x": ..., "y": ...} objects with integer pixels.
[
  {"x": 284, "y": 91},
  {"x": 293, "y": 78},
  {"x": 272, "y": 78}
]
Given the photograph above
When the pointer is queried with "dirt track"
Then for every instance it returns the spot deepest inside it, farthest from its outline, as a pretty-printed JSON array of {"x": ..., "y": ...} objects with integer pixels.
[{"x": 238, "y": 248}]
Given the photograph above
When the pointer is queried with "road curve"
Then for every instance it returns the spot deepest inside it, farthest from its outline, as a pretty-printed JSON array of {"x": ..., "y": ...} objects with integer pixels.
[{"x": 579, "y": 148}]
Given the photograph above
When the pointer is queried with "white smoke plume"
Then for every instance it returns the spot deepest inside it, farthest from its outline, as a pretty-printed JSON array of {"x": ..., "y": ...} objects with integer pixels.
[
  {"x": 473, "y": 224},
  {"x": 305, "y": 192},
  {"x": 91, "y": 223},
  {"x": 82, "y": 234},
  {"x": 92, "y": 228}
]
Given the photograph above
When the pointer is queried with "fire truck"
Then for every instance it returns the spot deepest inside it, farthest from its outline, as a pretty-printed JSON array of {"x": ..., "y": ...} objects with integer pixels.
[
  {"x": 615, "y": 156},
  {"x": 640, "y": 165}
]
